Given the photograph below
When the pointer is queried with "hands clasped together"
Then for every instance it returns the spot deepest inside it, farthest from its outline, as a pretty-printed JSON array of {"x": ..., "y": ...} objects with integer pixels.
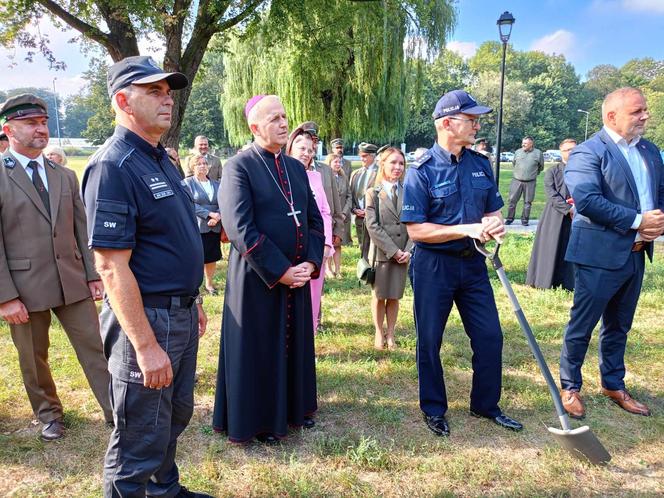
[{"x": 298, "y": 275}]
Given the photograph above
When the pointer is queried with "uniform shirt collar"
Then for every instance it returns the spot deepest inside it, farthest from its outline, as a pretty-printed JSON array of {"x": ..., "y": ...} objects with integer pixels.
[
  {"x": 141, "y": 144},
  {"x": 446, "y": 155},
  {"x": 619, "y": 140},
  {"x": 23, "y": 160}
]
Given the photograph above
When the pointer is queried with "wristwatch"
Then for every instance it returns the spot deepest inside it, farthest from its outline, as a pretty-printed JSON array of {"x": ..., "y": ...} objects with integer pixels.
[{"x": 199, "y": 299}]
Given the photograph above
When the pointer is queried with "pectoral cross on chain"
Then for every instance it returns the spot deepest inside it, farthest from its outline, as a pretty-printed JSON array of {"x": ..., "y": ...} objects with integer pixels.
[{"x": 294, "y": 214}]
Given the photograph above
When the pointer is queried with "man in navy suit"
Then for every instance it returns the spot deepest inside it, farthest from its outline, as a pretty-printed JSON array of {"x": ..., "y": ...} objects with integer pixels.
[{"x": 616, "y": 180}]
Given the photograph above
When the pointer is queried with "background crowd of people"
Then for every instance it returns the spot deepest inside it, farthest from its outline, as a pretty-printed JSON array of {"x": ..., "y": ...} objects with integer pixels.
[{"x": 287, "y": 216}]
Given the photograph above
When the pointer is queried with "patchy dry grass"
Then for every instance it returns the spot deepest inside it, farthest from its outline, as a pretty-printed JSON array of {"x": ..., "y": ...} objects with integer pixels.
[{"x": 369, "y": 439}]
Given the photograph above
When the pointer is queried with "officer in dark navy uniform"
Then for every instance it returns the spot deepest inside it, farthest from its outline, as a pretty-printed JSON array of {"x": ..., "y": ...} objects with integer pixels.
[
  {"x": 449, "y": 198},
  {"x": 141, "y": 221}
]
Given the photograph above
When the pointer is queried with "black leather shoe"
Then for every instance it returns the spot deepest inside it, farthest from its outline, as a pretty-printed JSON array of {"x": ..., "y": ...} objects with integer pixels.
[
  {"x": 437, "y": 424},
  {"x": 308, "y": 423},
  {"x": 524, "y": 223},
  {"x": 509, "y": 222},
  {"x": 267, "y": 438},
  {"x": 185, "y": 493},
  {"x": 501, "y": 420}
]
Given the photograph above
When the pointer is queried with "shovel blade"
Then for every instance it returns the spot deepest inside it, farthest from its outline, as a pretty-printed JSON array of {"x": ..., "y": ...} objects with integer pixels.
[{"x": 583, "y": 444}]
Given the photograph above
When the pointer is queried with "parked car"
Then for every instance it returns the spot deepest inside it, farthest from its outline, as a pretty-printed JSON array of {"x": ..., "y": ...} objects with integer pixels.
[
  {"x": 552, "y": 155},
  {"x": 506, "y": 157}
]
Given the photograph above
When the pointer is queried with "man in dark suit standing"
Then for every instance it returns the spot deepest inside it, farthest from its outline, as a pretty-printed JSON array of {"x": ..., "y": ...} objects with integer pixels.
[
  {"x": 45, "y": 263},
  {"x": 616, "y": 179},
  {"x": 202, "y": 147}
]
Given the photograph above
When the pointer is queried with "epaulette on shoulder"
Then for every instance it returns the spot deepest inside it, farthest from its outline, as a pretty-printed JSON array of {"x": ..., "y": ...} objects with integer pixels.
[
  {"x": 50, "y": 163},
  {"x": 478, "y": 154},
  {"x": 421, "y": 160}
]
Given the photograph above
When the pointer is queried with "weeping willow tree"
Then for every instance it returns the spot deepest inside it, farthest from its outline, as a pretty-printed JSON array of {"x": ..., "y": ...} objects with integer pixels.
[{"x": 345, "y": 64}]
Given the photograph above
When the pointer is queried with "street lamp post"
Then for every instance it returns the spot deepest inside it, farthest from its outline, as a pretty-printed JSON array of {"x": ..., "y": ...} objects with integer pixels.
[
  {"x": 505, "y": 22},
  {"x": 587, "y": 116},
  {"x": 57, "y": 117}
]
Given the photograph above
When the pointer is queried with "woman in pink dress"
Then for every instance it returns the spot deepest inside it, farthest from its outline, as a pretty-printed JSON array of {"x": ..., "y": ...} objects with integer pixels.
[{"x": 300, "y": 146}]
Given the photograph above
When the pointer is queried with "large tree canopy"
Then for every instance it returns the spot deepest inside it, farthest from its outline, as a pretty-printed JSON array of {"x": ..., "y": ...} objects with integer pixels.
[
  {"x": 342, "y": 64},
  {"x": 183, "y": 27}
]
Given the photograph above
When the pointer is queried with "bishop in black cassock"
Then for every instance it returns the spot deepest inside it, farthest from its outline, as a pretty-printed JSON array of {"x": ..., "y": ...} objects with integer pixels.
[{"x": 266, "y": 379}]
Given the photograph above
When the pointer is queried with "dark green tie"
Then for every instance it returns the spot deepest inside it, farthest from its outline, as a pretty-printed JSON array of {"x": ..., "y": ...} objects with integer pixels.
[
  {"x": 395, "y": 189},
  {"x": 39, "y": 185}
]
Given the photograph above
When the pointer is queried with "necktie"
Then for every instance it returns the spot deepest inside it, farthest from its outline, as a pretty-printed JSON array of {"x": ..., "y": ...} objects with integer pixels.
[
  {"x": 395, "y": 189},
  {"x": 39, "y": 185}
]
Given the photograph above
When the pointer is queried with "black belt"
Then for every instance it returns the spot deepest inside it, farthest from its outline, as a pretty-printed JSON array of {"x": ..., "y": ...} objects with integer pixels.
[
  {"x": 167, "y": 302},
  {"x": 463, "y": 253}
]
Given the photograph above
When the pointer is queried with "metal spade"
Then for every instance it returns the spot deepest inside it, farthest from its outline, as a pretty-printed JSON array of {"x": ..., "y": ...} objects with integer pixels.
[{"x": 581, "y": 442}]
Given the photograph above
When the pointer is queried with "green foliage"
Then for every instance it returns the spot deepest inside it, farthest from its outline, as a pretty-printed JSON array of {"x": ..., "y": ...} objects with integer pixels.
[
  {"x": 340, "y": 64},
  {"x": 203, "y": 115},
  {"x": 446, "y": 72},
  {"x": 95, "y": 100}
]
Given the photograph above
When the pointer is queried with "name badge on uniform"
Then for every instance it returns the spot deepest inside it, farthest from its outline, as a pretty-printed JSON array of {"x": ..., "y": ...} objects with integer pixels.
[{"x": 158, "y": 185}]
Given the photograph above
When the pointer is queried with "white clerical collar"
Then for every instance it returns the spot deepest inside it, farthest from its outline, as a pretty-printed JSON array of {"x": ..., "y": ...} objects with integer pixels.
[
  {"x": 24, "y": 160},
  {"x": 619, "y": 140}
]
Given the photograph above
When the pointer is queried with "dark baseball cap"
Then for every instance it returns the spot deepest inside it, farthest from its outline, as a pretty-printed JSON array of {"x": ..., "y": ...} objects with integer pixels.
[
  {"x": 22, "y": 106},
  {"x": 140, "y": 70},
  {"x": 457, "y": 102}
]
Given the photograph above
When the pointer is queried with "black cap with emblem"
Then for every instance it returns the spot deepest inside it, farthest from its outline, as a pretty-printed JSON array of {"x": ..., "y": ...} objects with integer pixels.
[
  {"x": 140, "y": 70},
  {"x": 22, "y": 106}
]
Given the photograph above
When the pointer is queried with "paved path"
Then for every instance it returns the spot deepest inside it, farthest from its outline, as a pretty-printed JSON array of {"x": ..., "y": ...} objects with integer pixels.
[{"x": 517, "y": 227}]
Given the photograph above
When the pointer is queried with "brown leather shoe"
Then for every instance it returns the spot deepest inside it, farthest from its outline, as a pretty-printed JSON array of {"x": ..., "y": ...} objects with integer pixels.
[
  {"x": 53, "y": 430},
  {"x": 626, "y": 402},
  {"x": 573, "y": 404}
]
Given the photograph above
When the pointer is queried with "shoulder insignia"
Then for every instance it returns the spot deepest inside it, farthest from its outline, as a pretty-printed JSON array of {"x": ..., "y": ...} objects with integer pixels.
[
  {"x": 9, "y": 162},
  {"x": 478, "y": 154},
  {"x": 421, "y": 160},
  {"x": 50, "y": 163}
]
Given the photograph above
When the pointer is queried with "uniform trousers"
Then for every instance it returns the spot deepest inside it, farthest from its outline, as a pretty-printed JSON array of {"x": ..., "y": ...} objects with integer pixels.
[
  {"x": 440, "y": 280},
  {"x": 140, "y": 459},
  {"x": 517, "y": 188},
  {"x": 81, "y": 324},
  {"x": 611, "y": 295}
]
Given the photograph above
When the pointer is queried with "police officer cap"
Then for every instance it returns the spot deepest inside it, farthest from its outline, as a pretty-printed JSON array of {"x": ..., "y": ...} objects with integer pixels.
[
  {"x": 337, "y": 141},
  {"x": 456, "y": 102},
  {"x": 140, "y": 70},
  {"x": 480, "y": 140},
  {"x": 382, "y": 148},
  {"x": 23, "y": 106},
  {"x": 368, "y": 148}
]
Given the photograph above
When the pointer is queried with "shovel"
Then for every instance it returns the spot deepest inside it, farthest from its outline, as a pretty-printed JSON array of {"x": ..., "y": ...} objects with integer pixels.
[{"x": 581, "y": 442}]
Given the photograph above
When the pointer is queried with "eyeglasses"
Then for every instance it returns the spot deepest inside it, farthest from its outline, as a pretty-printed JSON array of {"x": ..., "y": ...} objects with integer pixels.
[{"x": 473, "y": 122}]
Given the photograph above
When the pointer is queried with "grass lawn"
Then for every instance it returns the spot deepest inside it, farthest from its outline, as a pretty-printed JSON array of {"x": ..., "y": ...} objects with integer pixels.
[{"x": 369, "y": 439}]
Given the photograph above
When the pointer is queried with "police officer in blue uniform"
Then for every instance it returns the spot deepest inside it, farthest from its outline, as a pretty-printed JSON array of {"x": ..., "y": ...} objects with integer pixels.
[
  {"x": 449, "y": 198},
  {"x": 141, "y": 221}
]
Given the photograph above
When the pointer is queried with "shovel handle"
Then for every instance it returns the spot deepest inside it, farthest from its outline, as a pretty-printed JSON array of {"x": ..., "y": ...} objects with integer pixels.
[{"x": 492, "y": 256}]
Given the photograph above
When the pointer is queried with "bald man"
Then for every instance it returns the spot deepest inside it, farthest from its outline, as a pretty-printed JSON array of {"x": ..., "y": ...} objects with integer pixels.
[
  {"x": 266, "y": 378},
  {"x": 616, "y": 180}
]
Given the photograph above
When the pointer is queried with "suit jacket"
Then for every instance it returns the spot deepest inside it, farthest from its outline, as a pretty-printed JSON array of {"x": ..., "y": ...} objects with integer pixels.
[
  {"x": 203, "y": 204},
  {"x": 357, "y": 197},
  {"x": 44, "y": 260},
  {"x": 388, "y": 234},
  {"x": 332, "y": 196},
  {"x": 215, "y": 168},
  {"x": 606, "y": 200},
  {"x": 343, "y": 187}
]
